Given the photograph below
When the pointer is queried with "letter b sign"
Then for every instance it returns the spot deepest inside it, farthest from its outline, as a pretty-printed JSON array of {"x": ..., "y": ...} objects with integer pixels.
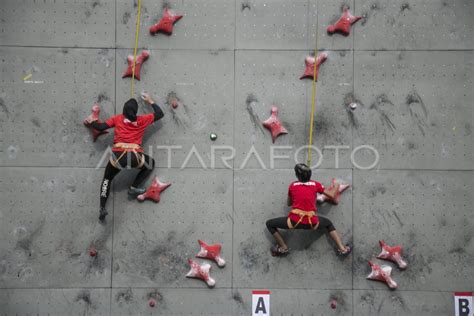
[{"x": 463, "y": 304}]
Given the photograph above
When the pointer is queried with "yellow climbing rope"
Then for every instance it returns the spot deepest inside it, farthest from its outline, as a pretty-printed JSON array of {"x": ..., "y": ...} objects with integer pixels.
[
  {"x": 313, "y": 102},
  {"x": 137, "y": 32}
]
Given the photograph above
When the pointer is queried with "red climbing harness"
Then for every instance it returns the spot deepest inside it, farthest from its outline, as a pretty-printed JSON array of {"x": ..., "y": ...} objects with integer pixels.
[
  {"x": 126, "y": 148},
  {"x": 308, "y": 215}
]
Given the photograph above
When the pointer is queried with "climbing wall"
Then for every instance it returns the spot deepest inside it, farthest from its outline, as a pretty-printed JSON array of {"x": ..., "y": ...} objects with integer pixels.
[{"x": 407, "y": 65}]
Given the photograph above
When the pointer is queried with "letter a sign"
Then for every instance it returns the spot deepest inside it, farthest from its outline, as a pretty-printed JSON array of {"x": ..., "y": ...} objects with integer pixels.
[
  {"x": 261, "y": 303},
  {"x": 463, "y": 304}
]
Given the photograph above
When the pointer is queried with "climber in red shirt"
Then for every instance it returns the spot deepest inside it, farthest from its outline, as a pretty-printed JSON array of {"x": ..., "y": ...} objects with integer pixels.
[
  {"x": 127, "y": 151},
  {"x": 302, "y": 199}
]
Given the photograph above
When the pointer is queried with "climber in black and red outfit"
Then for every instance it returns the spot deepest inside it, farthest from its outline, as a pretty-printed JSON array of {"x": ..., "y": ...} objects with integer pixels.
[
  {"x": 302, "y": 199},
  {"x": 127, "y": 151}
]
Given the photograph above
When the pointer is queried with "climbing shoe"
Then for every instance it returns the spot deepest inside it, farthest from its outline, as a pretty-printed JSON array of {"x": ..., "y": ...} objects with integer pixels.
[
  {"x": 278, "y": 251},
  {"x": 136, "y": 191},
  {"x": 102, "y": 214},
  {"x": 345, "y": 253}
]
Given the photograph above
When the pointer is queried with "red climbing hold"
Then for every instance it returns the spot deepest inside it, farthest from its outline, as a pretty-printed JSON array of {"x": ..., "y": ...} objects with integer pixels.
[
  {"x": 94, "y": 117},
  {"x": 382, "y": 273},
  {"x": 200, "y": 272},
  {"x": 309, "y": 62},
  {"x": 173, "y": 100},
  {"x": 212, "y": 252},
  {"x": 174, "y": 103},
  {"x": 324, "y": 198},
  {"x": 153, "y": 192},
  {"x": 138, "y": 65},
  {"x": 343, "y": 25},
  {"x": 152, "y": 302},
  {"x": 333, "y": 304},
  {"x": 393, "y": 254},
  {"x": 273, "y": 124},
  {"x": 166, "y": 23},
  {"x": 92, "y": 252}
]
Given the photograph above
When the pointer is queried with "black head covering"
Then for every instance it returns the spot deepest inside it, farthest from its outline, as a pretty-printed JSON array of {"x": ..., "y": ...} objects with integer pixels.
[
  {"x": 303, "y": 172},
  {"x": 130, "y": 109}
]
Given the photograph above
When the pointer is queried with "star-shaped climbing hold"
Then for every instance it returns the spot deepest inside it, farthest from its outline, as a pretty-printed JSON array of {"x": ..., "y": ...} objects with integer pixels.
[
  {"x": 382, "y": 274},
  {"x": 165, "y": 25},
  {"x": 343, "y": 25},
  {"x": 273, "y": 124},
  {"x": 309, "y": 62},
  {"x": 94, "y": 117},
  {"x": 393, "y": 254},
  {"x": 321, "y": 198},
  {"x": 153, "y": 192},
  {"x": 212, "y": 252},
  {"x": 201, "y": 272},
  {"x": 138, "y": 65}
]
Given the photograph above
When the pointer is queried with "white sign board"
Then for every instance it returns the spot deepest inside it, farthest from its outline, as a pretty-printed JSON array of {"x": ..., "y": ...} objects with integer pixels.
[
  {"x": 463, "y": 304},
  {"x": 261, "y": 303}
]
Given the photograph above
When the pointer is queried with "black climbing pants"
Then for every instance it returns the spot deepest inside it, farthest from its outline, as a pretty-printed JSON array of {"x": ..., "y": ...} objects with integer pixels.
[
  {"x": 128, "y": 161},
  {"x": 281, "y": 222}
]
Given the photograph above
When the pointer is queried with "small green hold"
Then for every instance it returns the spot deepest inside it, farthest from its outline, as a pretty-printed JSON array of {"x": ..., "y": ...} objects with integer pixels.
[{"x": 213, "y": 136}]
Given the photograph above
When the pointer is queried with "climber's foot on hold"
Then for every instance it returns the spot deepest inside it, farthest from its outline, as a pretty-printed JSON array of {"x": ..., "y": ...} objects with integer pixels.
[
  {"x": 346, "y": 252},
  {"x": 278, "y": 251},
  {"x": 136, "y": 191},
  {"x": 102, "y": 214}
]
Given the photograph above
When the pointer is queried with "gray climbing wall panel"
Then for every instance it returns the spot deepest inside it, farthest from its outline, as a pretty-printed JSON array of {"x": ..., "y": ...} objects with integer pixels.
[
  {"x": 55, "y": 302},
  {"x": 408, "y": 65},
  {"x": 298, "y": 302},
  {"x": 63, "y": 23},
  {"x": 264, "y": 80},
  {"x": 414, "y": 25},
  {"x": 418, "y": 106},
  {"x": 277, "y": 24},
  {"x": 148, "y": 252},
  {"x": 424, "y": 303},
  {"x": 47, "y": 233},
  {"x": 226, "y": 302},
  {"x": 128, "y": 301},
  {"x": 207, "y": 24},
  {"x": 41, "y": 121},
  {"x": 429, "y": 213}
]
